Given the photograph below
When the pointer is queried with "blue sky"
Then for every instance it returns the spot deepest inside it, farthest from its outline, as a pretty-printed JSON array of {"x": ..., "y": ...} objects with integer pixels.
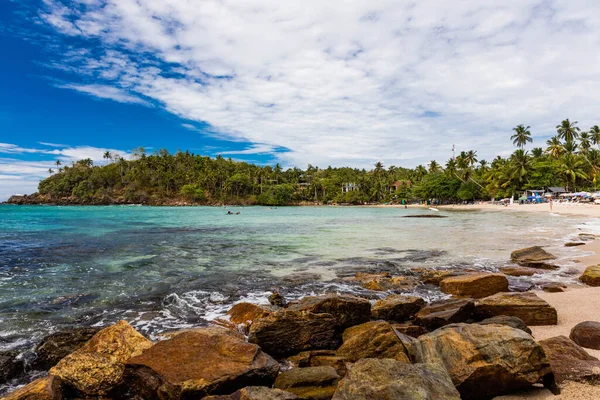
[{"x": 295, "y": 82}]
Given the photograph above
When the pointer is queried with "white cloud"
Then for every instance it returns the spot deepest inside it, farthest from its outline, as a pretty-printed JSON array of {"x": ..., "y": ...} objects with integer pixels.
[
  {"x": 106, "y": 92},
  {"x": 347, "y": 82},
  {"x": 255, "y": 149}
]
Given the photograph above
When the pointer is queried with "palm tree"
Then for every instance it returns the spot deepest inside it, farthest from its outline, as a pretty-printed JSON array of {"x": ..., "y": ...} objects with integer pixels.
[
  {"x": 434, "y": 167},
  {"x": 107, "y": 156},
  {"x": 572, "y": 167},
  {"x": 595, "y": 135},
  {"x": 570, "y": 147},
  {"x": 568, "y": 130},
  {"x": 522, "y": 136},
  {"x": 537, "y": 152},
  {"x": 420, "y": 172},
  {"x": 50, "y": 171},
  {"x": 451, "y": 167},
  {"x": 57, "y": 163},
  {"x": 555, "y": 147},
  {"x": 520, "y": 166},
  {"x": 471, "y": 157},
  {"x": 585, "y": 142}
]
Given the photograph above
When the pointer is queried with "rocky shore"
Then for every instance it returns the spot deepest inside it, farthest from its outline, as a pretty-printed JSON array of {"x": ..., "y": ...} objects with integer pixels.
[{"x": 477, "y": 344}]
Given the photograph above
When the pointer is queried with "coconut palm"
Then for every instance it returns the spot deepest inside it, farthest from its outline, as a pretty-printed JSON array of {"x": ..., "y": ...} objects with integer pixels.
[
  {"x": 537, "y": 152},
  {"x": 585, "y": 142},
  {"x": 568, "y": 130},
  {"x": 434, "y": 167},
  {"x": 522, "y": 136},
  {"x": 570, "y": 147},
  {"x": 471, "y": 157},
  {"x": 595, "y": 135},
  {"x": 555, "y": 147},
  {"x": 57, "y": 163},
  {"x": 572, "y": 167}
]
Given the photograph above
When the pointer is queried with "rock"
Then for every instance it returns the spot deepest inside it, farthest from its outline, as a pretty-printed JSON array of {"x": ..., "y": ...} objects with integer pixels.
[
  {"x": 554, "y": 287},
  {"x": 484, "y": 361},
  {"x": 574, "y": 244},
  {"x": 369, "y": 276},
  {"x": 318, "y": 383},
  {"x": 570, "y": 362},
  {"x": 425, "y": 216},
  {"x": 475, "y": 285},
  {"x": 319, "y": 358},
  {"x": 256, "y": 393},
  {"x": 513, "y": 322},
  {"x": 445, "y": 312},
  {"x": 48, "y": 388},
  {"x": 397, "y": 307},
  {"x": 434, "y": 277},
  {"x": 591, "y": 276},
  {"x": 410, "y": 330},
  {"x": 10, "y": 365},
  {"x": 587, "y": 236},
  {"x": 302, "y": 359},
  {"x": 527, "y": 306},
  {"x": 243, "y": 313},
  {"x": 533, "y": 257},
  {"x": 289, "y": 332},
  {"x": 276, "y": 299},
  {"x": 395, "y": 284},
  {"x": 198, "y": 363},
  {"x": 521, "y": 271},
  {"x": 56, "y": 346},
  {"x": 385, "y": 379},
  {"x": 586, "y": 334},
  {"x": 347, "y": 310},
  {"x": 375, "y": 339},
  {"x": 97, "y": 367}
]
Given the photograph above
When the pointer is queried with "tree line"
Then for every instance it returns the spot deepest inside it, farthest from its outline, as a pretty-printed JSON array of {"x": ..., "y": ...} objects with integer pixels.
[{"x": 569, "y": 159}]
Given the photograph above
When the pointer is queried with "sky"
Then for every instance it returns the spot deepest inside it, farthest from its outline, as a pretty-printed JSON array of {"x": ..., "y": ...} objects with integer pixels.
[{"x": 341, "y": 83}]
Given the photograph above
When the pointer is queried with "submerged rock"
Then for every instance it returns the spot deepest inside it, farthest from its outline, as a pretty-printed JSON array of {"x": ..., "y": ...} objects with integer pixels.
[
  {"x": 97, "y": 367},
  {"x": 375, "y": 339},
  {"x": 591, "y": 276},
  {"x": 484, "y": 361},
  {"x": 314, "y": 383},
  {"x": 475, "y": 285},
  {"x": 444, "y": 312},
  {"x": 513, "y": 322},
  {"x": 198, "y": 363},
  {"x": 570, "y": 362},
  {"x": 587, "y": 334},
  {"x": 521, "y": 271},
  {"x": 533, "y": 257},
  {"x": 289, "y": 332},
  {"x": 255, "y": 393},
  {"x": 526, "y": 306},
  {"x": 277, "y": 299},
  {"x": 397, "y": 307},
  {"x": 56, "y": 346},
  {"x": 10, "y": 365},
  {"x": 385, "y": 379}
]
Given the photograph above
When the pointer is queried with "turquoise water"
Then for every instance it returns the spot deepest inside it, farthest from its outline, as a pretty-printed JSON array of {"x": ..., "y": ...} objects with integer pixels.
[{"x": 162, "y": 268}]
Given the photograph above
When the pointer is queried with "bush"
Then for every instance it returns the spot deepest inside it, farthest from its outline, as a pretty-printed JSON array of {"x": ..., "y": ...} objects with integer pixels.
[{"x": 193, "y": 192}]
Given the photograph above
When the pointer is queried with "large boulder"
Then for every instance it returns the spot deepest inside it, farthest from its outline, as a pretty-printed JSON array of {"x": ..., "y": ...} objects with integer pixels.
[
  {"x": 397, "y": 307},
  {"x": 385, "y": 379},
  {"x": 526, "y": 306},
  {"x": 444, "y": 312},
  {"x": 48, "y": 388},
  {"x": 347, "y": 310},
  {"x": 475, "y": 285},
  {"x": 375, "y": 339},
  {"x": 587, "y": 334},
  {"x": 312, "y": 383},
  {"x": 198, "y": 363},
  {"x": 570, "y": 362},
  {"x": 255, "y": 393},
  {"x": 289, "y": 332},
  {"x": 56, "y": 346},
  {"x": 591, "y": 276},
  {"x": 319, "y": 358},
  {"x": 246, "y": 313},
  {"x": 410, "y": 329},
  {"x": 11, "y": 365},
  {"x": 484, "y": 361},
  {"x": 513, "y": 322},
  {"x": 430, "y": 276},
  {"x": 533, "y": 257},
  {"x": 97, "y": 367}
]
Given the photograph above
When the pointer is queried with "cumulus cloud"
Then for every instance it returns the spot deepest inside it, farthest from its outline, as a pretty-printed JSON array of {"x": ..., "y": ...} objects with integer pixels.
[
  {"x": 346, "y": 82},
  {"x": 105, "y": 92}
]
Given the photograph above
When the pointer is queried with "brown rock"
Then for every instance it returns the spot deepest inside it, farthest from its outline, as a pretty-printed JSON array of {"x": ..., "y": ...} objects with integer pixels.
[
  {"x": 365, "y": 277},
  {"x": 255, "y": 393},
  {"x": 58, "y": 345},
  {"x": 246, "y": 313},
  {"x": 533, "y": 257},
  {"x": 395, "y": 284},
  {"x": 385, "y": 379},
  {"x": 513, "y": 322},
  {"x": 570, "y": 362},
  {"x": 276, "y": 299},
  {"x": 574, "y": 244},
  {"x": 410, "y": 330},
  {"x": 397, "y": 307},
  {"x": 586, "y": 334},
  {"x": 347, "y": 310},
  {"x": 520, "y": 271},
  {"x": 289, "y": 332},
  {"x": 48, "y": 388},
  {"x": 527, "y": 306},
  {"x": 484, "y": 361},
  {"x": 375, "y": 339},
  {"x": 475, "y": 285},
  {"x": 10, "y": 365},
  {"x": 591, "y": 276},
  {"x": 312, "y": 383},
  {"x": 319, "y": 358},
  {"x": 444, "y": 312},
  {"x": 97, "y": 367},
  {"x": 198, "y": 363},
  {"x": 434, "y": 277},
  {"x": 554, "y": 287}
]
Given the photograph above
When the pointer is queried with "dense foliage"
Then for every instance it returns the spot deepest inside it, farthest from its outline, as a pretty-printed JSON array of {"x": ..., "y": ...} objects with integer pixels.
[{"x": 569, "y": 159}]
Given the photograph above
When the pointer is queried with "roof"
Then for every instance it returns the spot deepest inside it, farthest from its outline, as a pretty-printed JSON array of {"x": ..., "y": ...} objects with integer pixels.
[{"x": 557, "y": 189}]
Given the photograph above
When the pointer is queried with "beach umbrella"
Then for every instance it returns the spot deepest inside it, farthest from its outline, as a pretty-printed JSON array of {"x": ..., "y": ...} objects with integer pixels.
[{"x": 522, "y": 198}]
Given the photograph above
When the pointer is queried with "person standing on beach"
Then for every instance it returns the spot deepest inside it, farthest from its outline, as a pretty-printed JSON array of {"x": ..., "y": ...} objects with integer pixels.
[{"x": 550, "y": 202}]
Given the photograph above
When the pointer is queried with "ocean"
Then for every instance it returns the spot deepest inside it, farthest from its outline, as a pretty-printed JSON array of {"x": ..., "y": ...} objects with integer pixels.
[{"x": 164, "y": 268}]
